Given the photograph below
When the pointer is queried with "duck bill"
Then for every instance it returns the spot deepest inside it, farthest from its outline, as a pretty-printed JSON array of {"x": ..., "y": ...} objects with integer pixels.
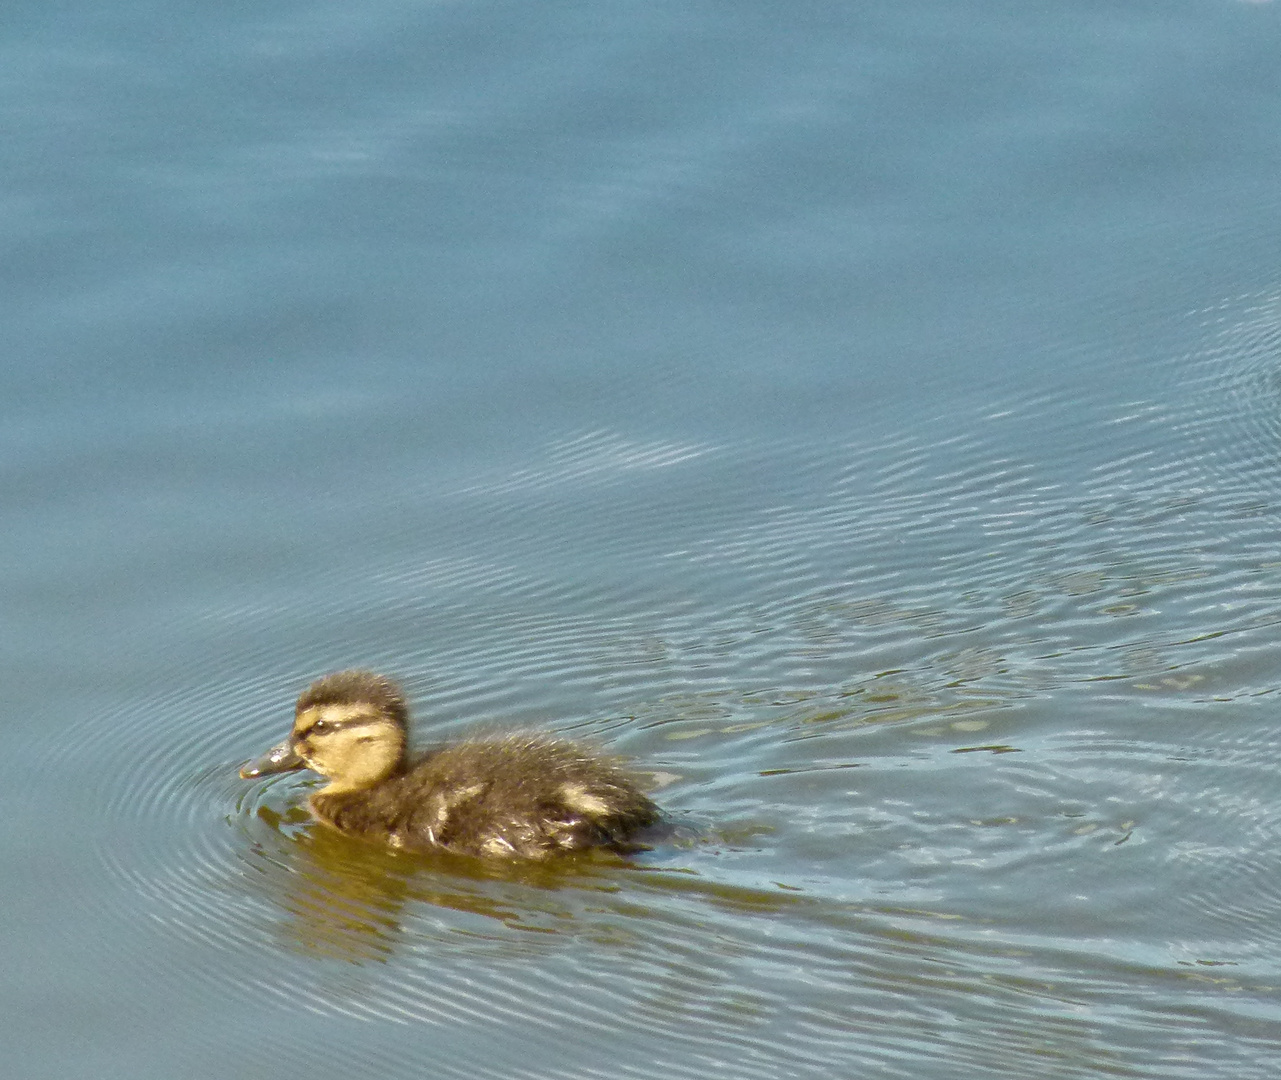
[{"x": 280, "y": 758}]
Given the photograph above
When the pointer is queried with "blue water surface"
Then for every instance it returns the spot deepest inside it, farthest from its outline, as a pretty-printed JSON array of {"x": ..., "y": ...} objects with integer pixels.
[{"x": 863, "y": 417}]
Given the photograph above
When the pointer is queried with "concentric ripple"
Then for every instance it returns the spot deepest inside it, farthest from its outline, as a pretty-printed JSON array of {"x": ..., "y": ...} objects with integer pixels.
[{"x": 968, "y": 737}]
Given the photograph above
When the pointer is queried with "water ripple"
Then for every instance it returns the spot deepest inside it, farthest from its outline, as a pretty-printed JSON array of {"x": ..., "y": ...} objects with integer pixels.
[{"x": 932, "y": 716}]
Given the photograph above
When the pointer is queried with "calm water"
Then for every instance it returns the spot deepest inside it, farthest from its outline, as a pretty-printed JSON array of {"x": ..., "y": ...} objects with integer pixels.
[{"x": 867, "y": 418}]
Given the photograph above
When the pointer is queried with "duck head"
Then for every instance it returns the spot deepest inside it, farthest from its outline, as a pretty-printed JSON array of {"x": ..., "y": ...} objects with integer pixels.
[{"x": 348, "y": 726}]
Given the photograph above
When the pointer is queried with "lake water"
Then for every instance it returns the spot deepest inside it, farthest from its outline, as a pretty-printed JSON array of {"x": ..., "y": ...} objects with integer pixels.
[{"x": 866, "y": 418}]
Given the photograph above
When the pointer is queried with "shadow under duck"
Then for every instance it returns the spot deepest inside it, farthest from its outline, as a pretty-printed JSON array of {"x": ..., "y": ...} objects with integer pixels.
[{"x": 524, "y": 794}]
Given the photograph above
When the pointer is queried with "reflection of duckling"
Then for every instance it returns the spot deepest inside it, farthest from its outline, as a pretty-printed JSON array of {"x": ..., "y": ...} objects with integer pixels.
[{"x": 522, "y": 794}]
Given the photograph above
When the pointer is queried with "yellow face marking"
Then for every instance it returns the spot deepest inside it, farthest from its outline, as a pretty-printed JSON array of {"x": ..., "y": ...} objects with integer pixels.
[{"x": 353, "y": 745}]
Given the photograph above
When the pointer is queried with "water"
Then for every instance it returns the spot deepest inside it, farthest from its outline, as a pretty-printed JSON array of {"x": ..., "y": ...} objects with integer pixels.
[{"x": 864, "y": 419}]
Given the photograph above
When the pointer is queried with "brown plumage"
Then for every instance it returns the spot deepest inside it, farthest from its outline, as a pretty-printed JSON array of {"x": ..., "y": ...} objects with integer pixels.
[{"x": 524, "y": 794}]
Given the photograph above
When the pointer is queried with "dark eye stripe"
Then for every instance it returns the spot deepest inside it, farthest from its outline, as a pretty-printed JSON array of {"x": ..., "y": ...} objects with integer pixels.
[{"x": 324, "y": 727}]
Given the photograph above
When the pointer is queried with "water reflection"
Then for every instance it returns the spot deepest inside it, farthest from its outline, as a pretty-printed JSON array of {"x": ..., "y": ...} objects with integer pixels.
[
  {"x": 347, "y": 899},
  {"x": 341, "y": 898}
]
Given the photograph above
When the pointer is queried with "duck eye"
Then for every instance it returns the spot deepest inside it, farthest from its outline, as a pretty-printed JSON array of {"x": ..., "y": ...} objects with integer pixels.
[{"x": 319, "y": 727}]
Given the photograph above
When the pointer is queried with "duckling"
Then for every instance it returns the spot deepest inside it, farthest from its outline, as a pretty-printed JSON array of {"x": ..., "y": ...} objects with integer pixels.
[{"x": 519, "y": 795}]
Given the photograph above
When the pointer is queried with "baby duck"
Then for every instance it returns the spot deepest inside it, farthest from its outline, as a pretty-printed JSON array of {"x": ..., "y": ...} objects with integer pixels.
[{"x": 527, "y": 794}]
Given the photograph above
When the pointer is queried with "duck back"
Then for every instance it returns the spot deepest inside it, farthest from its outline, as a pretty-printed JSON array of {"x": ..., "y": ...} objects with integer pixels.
[{"x": 523, "y": 794}]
